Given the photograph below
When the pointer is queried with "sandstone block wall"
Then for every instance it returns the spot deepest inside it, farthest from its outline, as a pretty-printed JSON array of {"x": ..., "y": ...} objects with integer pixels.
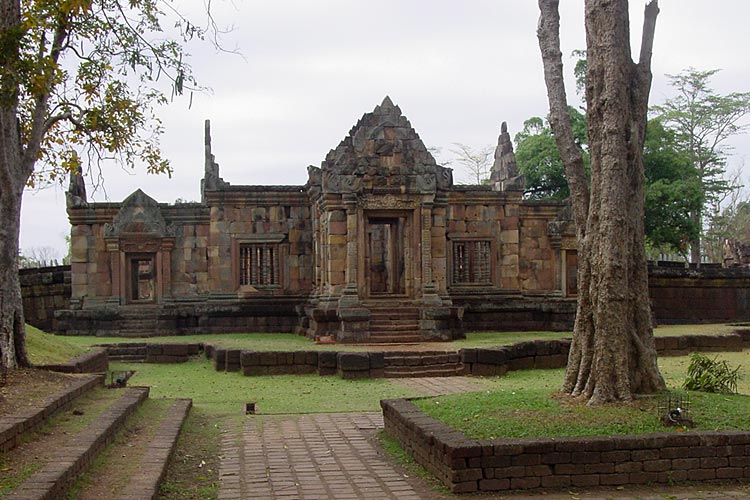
[
  {"x": 251, "y": 214},
  {"x": 44, "y": 290},
  {"x": 476, "y": 214},
  {"x": 689, "y": 295}
]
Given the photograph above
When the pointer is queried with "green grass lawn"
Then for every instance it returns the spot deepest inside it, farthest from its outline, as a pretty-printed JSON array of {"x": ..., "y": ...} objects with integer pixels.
[
  {"x": 227, "y": 393},
  {"x": 523, "y": 407}
]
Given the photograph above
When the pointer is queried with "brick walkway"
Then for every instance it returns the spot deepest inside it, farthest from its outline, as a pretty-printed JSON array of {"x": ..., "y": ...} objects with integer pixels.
[
  {"x": 309, "y": 457},
  {"x": 437, "y": 386}
]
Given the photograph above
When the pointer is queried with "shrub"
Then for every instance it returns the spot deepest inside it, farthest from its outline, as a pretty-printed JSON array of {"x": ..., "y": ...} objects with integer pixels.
[{"x": 711, "y": 375}]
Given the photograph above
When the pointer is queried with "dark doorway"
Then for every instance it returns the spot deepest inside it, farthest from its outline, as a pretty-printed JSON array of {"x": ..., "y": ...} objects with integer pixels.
[
  {"x": 142, "y": 278},
  {"x": 385, "y": 255}
]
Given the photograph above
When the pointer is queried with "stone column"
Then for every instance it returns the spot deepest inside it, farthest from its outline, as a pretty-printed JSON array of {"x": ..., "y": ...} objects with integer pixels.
[
  {"x": 350, "y": 295},
  {"x": 429, "y": 290},
  {"x": 117, "y": 294},
  {"x": 336, "y": 241}
]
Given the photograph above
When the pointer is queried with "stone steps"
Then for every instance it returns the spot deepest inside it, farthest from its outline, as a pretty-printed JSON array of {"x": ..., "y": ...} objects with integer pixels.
[
  {"x": 394, "y": 327},
  {"x": 394, "y": 324},
  {"x": 399, "y": 364},
  {"x": 441, "y": 370},
  {"x": 63, "y": 465},
  {"x": 412, "y": 338},
  {"x": 32, "y": 417}
]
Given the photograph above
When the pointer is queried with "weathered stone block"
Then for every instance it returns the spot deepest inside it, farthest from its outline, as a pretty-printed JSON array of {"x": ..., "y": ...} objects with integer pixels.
[
  {"x": 327, "y": 359},
  {"x": 353, "y": 361}
]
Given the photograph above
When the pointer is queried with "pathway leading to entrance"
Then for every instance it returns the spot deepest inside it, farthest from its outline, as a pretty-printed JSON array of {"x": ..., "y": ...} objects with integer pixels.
[{"x": 309, "y": 457}]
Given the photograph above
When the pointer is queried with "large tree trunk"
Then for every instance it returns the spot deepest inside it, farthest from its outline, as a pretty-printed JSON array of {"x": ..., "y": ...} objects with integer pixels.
[
  {"x": 14, "y": 172},
  {"x": 612, "y": 355},
  {"x": 12, "y": 329},
  {"x": 12, "y": 180}
]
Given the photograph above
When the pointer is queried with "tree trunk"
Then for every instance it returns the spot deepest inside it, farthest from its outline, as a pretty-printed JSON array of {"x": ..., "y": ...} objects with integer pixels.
[
  {"x": 612, "y": 356},
  {"x": 14, "y": 173},
  {"x": 12, "y": 329},
  {"x": 695, "y": 244}
]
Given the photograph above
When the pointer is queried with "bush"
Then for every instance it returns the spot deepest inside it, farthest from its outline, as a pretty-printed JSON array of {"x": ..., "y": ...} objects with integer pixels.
[{"x": 711, "y": 375}]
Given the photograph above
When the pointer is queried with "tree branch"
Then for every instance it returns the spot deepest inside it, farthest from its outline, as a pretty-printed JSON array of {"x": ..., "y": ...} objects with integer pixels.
[{"x": 548, "y": 33}]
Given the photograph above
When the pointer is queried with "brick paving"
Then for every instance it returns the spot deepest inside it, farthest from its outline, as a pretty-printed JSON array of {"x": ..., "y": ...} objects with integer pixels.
[
  {"x": 437, "y": 386},
  {"x": 309, "y": 457}
]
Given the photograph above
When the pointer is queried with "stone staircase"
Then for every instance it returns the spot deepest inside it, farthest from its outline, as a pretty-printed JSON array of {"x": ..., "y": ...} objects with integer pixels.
[
  {"x": 63, "y": 456},
  {"x": 401, "y": 364},
  {"x": 394, "y": 323},
  {"x": 139, "y": 321}
]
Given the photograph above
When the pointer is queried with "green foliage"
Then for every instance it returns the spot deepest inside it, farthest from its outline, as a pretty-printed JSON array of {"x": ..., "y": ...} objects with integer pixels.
[
  {"x": 711, "y": 375},
  {"x": 702, "y": 121},
  {"x": 539, "y": 160},
  {"x": 673, "y": 190}
]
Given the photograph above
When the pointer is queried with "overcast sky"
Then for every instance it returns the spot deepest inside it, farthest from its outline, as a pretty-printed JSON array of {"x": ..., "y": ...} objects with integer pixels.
[{"x": 311, "y": 69}]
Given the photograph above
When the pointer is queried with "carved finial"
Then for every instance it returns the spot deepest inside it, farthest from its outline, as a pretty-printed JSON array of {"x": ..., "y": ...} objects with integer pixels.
[
  {"x": 505, "y": 174},
  {"x": 387, "y": 103},
  {"x": 75, "y": 196},
  {"x": 211, "y": 179}
]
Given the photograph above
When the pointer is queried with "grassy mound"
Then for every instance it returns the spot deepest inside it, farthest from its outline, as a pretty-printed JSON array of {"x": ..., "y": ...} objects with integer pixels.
[{"x": 49, "y": 349}]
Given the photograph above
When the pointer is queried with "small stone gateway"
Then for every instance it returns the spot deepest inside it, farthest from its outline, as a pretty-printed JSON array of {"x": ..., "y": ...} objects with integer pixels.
[{"x": 378, "y": 246}]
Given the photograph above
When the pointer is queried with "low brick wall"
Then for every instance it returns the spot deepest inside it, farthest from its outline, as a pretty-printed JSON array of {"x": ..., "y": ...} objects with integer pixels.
[
  {"x": 153, "y": 353},
  {"x": 466, "y": 465},
  {"x": 519, "y": 356},
  {"x": 278, "y": 363},
  {"x": 690, "y": 295},
  {"x": 684, "y": 344},
  {"x": 93, "y": 361},
  {"x": 493, "y": 361},
  {"x": 348, "y": 365}
]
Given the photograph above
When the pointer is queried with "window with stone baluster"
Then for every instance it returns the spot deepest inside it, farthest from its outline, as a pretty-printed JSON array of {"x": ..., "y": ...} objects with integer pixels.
[
  {"x": 472, "y": 262},
  {"x": 259, "y": 264}
]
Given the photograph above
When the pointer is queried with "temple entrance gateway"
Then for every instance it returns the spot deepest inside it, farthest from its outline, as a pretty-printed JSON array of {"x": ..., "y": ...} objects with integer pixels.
[{"x": 385, "y": 256}]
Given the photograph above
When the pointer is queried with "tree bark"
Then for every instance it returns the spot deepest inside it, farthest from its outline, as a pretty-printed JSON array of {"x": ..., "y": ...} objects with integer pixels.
[
  {"x": 612, "y": 356},
  {"x": 15, "y": 169}
]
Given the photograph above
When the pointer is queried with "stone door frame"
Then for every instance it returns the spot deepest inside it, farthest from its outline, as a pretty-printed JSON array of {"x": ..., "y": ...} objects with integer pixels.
[{"x": 405, "y": 248}]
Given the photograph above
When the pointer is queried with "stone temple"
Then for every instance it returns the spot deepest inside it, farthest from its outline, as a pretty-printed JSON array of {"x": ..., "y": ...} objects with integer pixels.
[{"x": 378, "y": 246}]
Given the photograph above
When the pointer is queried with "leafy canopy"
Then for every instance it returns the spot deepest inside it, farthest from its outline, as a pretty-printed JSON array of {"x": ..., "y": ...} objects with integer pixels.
[
  {"x": 82, "y": 76},
  {"x": 701, "y": 121},
  {"x": 539, "y": 160},
  {"x": 673, "y": 190}
]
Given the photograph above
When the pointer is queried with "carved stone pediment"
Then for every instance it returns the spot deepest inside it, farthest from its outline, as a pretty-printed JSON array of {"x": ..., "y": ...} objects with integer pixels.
[
  {"x": 382, "y": 151},
  {"x": 340, "y": 183},
  {"x": 139, "y": 216}
]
